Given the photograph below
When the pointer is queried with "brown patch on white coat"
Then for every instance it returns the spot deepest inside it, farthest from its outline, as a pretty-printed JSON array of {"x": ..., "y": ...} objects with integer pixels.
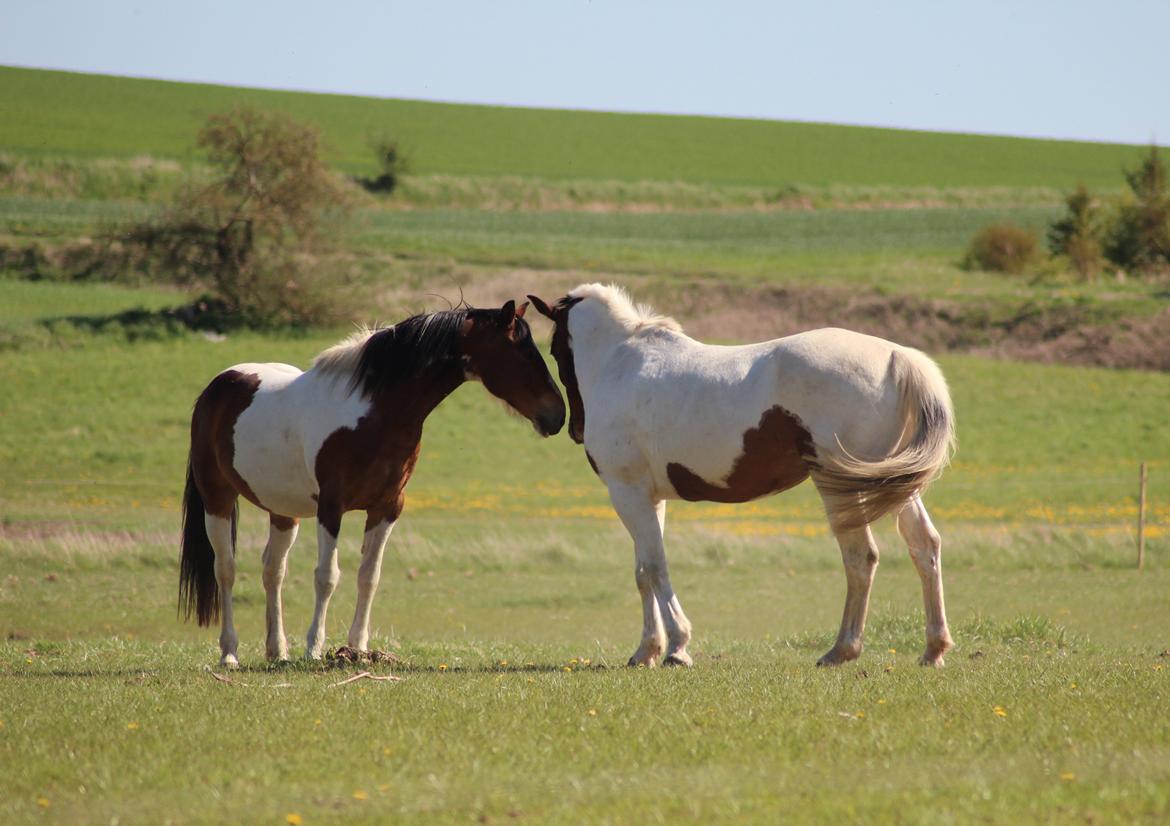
[{"x": 775, "y": 458}]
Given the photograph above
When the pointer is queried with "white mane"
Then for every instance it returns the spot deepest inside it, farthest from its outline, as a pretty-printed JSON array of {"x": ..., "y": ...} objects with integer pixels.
[
  {"x": 342, "y": 358},
  {"x": 621, "y": 308}
]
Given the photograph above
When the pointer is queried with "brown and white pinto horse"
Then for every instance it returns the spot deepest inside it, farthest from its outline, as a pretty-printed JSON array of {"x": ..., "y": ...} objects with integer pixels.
[
  {"x": 672, "y": 418},
  {"x": 342, "y": 436}
]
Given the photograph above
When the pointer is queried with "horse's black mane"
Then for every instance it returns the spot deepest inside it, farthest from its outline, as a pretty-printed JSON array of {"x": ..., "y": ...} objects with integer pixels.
[{"x": 395, "y": 353}]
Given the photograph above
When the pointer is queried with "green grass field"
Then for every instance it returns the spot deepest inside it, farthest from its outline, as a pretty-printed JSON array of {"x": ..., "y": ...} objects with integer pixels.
[
  {"x": 59, "y": 113},
  {"x": 507, "y": 586},
  {"x": 508, "y": 592}
]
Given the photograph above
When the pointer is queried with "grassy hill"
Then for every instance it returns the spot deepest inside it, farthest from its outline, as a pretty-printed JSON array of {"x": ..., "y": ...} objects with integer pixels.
[{"x": 61, "y": 113}]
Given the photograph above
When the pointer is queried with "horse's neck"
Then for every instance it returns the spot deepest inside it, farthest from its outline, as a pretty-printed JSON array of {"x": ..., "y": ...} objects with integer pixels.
[
  {"x": 594, "y": 347},
  {"x": 411, "y": 400}
]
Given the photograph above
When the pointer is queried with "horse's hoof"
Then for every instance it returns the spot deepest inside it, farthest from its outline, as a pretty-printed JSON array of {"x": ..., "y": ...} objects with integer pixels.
[
  {"x": 229, "y": 662},
  {"x": 635, "y": 662},
  {"x": 931, "y": 661},
  {"x": 680, "y": 658},
  {"x": 836, "y": 657}
]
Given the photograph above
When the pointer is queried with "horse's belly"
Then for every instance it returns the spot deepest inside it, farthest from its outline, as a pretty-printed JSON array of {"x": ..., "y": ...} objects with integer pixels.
[
  {"x": 270, "y": 459},
  {"x": 269, "y": 451}
]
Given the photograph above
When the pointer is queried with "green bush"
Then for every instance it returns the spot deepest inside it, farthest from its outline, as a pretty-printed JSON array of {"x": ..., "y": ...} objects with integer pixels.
[
  {"x": 1139, "y": 237},
  {"x": 1001, "y": 248},
  {"x": 1077, "y": 234}
]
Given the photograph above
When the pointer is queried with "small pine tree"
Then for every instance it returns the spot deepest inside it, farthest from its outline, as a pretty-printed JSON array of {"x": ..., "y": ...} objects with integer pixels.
[
  {"x": 1076, "y": 235},
  {"x": 1140, "y": 236}
]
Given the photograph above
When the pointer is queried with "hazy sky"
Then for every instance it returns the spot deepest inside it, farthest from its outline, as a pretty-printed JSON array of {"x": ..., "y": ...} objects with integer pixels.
[{"x": 1072, "y": 69}]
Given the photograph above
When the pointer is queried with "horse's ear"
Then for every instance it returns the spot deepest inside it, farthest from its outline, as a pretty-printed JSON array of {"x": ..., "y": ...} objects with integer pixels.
[
  {"x": 540, "y": 306},
  {"x": 507, "y": 313},
  {"x": 521, "y": 310}
]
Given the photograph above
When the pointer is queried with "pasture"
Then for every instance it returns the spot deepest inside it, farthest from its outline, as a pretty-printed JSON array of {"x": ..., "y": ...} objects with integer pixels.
[
  {"x": 508, "y": 588},
  {"x": 509, "y": 593}
]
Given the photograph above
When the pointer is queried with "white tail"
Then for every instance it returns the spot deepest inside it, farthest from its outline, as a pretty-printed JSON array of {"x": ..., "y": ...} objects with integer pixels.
[{"x": 858, "y": 491}]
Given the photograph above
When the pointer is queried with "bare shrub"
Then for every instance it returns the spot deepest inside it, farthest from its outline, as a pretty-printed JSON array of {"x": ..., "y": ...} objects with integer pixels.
[
  {"x": 1001, "y": 248},
  {"x": 255, "y": 236},
  {"x": 393, "y": 162}
]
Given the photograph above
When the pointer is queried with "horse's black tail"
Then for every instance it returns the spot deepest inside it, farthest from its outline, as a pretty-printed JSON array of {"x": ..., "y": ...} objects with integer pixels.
[{"x": 198, "y": 589}]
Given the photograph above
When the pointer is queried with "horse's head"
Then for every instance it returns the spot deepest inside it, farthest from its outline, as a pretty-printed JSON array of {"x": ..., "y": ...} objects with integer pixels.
[
  {"x": 497, "y": 349},
  {"x": 562, "y": 351}
]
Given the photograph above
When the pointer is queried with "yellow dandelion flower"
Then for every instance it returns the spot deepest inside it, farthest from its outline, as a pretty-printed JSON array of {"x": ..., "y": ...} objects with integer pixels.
[
  {"x": 531, "y": 679},
  {"x": 860, "y": 715},
  {"x": 316, "y": 722},
  {"x": 592, "y": 712},
  {"x": 586, "y": 662},
  {"x": 132, "y": 726},
  {"x": 1067, "y": 776},
  {"x": 893, "y": 650},
  {"x": 360, "y": 795},
  {"x": 567, "y": 668},
  {"x": 881, "y": 701},
  {"x": 383, "y": 787},
  {"x": 43, "y": 802},
  {"x": 442, "y": 666},
  {"x": 386, "y": 751},
  {"x": 1000, "y": 711},
  {"x": 293, "y": 819},
  {"x": 1073, "y": 685},
  {"x": 503, "y": 663}
]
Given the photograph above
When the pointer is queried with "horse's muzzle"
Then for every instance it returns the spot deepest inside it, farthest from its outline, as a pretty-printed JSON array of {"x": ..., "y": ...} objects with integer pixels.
[{"x": 550, "y": 419}]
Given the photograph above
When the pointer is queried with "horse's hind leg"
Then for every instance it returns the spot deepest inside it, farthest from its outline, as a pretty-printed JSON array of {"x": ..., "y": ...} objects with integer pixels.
[
  {"x": 221, "y": 533},
  {"x": 926, "y": 550},
  {"x": 860, "y": 554},
  {"x": 282, "y": 533},
  {"x": 645, "y": 520}
]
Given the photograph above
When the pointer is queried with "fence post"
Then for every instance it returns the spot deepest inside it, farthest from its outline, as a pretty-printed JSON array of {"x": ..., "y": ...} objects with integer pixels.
[{"x": 1142, "y": 518}]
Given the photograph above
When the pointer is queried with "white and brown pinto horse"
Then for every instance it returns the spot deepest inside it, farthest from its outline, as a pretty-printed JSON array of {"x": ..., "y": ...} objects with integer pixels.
[
  {"x": 663, "y": 416},
  {"x": 342, "y": 436}
]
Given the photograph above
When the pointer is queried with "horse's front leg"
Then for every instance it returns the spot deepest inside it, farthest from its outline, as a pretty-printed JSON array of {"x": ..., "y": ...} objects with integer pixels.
[
  {"x": 325, "y": 576},
  {"x": 282, "y": 533},
  {"x": 379, "y": 523},
  {"x": 664, "y": 625}
]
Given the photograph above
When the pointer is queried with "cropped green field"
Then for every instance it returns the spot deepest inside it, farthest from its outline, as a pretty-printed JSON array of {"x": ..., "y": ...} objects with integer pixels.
[
  {"x": 59, "y": 113},
  {"x": 507, "y": 585},
  {"x": 508, "y": 591}
]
